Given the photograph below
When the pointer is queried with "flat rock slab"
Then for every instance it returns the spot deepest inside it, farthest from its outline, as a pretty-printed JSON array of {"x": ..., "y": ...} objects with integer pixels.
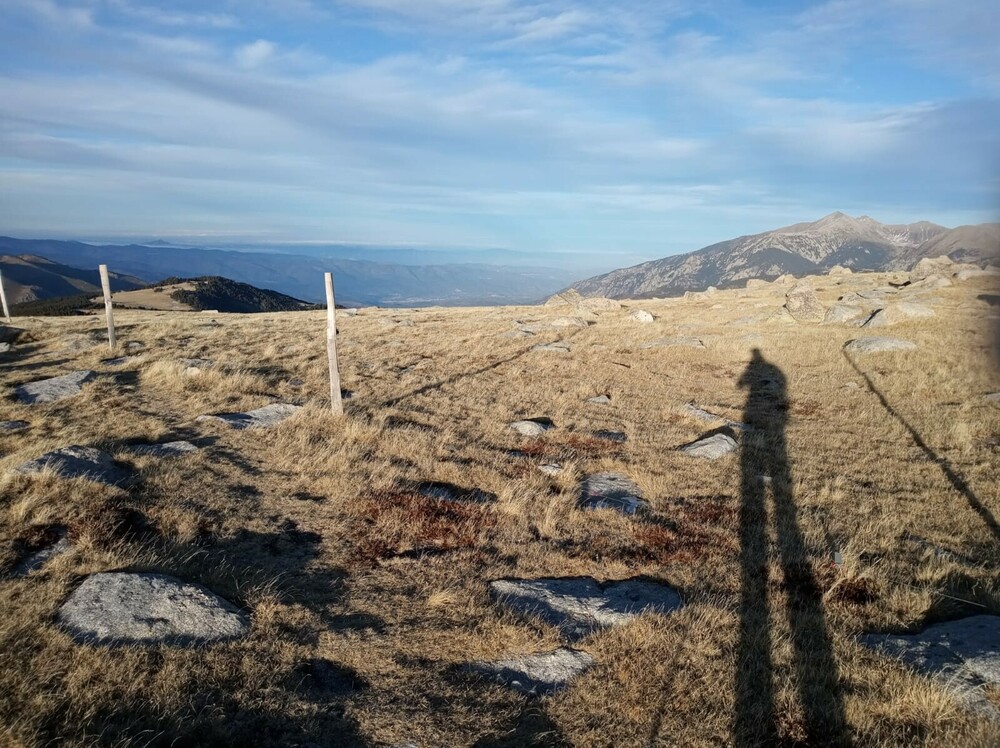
[
  {"x": 600, "y": 400},
  {"x": 552, "y": 347},
  {"x": 13, "y": 425},
  {"x": 640, "y": 315},
  {"x": 618, "y": 437},
  {"x": 963, "y": 653},
  {"x": 551, "y": 468},
  {"x": 40, "y": 557},
  {"x": 676, "y": 342},
  {"x": 120, "y": 361},
  {"x": 122, "y": 607},
  {"x": 841, "y": 314},
  {"x": 710, "y": 447},
  {"x": 450, "y": 492},
  {"x": 690, "y": 409},
  {"x": 79, "y": 462},
  {"x": 879, "y": 345},
  {"x": 56, "y": 388},
  {"x": 579, "y": 606},
  {"x": 533, "y": 426},
  {"x": 538, "y": 674},
  {"x": 611, "y": 491},
  {"x": 166, "y": 449},
  {"x": 269, "y": 415},
  {"x": 894, "y": 314}
]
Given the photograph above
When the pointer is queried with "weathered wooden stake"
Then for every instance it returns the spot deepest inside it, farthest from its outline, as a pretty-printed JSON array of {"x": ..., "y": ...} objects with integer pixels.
[
  {"x": 106, "y": 286},
  {"x": 331, "y": 347},
  {"x": 3, "y": 298}
]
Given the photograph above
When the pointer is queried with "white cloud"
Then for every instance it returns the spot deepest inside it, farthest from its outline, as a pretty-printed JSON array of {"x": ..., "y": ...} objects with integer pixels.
[{"x": 254, "y": 54}]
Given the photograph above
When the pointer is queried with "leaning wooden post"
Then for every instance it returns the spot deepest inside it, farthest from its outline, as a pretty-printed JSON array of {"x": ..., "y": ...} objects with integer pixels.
[
  {"x": 3, "y": 298},
  {"x": 106, "y": 286},
  {"x": 331, "y": 347}
]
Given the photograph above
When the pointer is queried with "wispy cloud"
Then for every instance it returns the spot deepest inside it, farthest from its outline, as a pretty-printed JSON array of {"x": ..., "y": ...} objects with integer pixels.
[{"x": 631, "y": 127}]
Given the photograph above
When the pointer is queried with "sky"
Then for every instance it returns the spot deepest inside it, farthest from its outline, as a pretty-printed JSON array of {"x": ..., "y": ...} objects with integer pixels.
[{"x": 590, "y": 132}]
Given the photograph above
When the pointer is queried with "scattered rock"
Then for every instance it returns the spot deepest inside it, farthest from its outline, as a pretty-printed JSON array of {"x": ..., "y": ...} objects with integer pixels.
[
  {"x": 81, "y": 342},
  {"x": 755, "y": 283},
  {"x": 551, "y": 468},
  {"x": 13, "y": 425},
  {"x": 450, "y": 492},
  {"x": 557, "y": 347},
  {"x": 120, "y": 361},
  {"x": 78, "y": 462},
  {"x": 879, "y": 345},
  {"x": 840, "y": 314},
  {"x": 5, "y": 347},
  {"x": 619, "y": 437},
  {"x": 571, "y": 297},
  {"x": 134, "y": 345},
  {"x": 930, "y": 283},
  {"x": 640, "y": 315},
  {"x": 533, "y": 426},
  {"x": 517, "y": 334},
  {"x": 780, "y": 316},
  {"x": 537, "y": 674},
  {"x": 993, "y": 397},
  {"x": 120, "y": 607},
  {"x": 710, "y": 447},
  {"x": 839, "y": 270},
  {"x": 802, "y": 304},
  {"x": 166, "y": 449},
  {"x": 269, "y": 415},
  {"x": 903, "y": 311},
  {"x": 600, "y": 400},
  {"x": 785, "y": 279},
  {"x": 611, "y": 491},
  {"x": 964, "y": 655},
  {"x": 690, "y": 409},
  {"x": 568, "y": 322},
  {"x": 10, "y": 334},
  {"x": 579, "y": 606},
  {"x": 677, "y": 342},
  {"x": 931, "y": 265},
  {"x": 196, "y": 363},
  {"x": 60, "y": 544},
  {"x": 54, "y": 389},
  {"x": 711, "y": 290}
]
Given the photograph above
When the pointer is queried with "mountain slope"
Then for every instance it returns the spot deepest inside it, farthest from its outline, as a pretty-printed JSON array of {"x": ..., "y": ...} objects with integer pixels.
[
  {"x": 837, "y": 239},
  {"x": 31, "y": 278},
  {"x": 210, "y": 292},
  {"x": 358, "y": 282}
]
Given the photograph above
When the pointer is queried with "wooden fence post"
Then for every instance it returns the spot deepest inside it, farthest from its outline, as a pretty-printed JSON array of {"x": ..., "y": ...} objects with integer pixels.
[
  {"x": 3, "y": 298},
  {"x": 106, "y": 286},
  {"x": 331, "y": 347}
]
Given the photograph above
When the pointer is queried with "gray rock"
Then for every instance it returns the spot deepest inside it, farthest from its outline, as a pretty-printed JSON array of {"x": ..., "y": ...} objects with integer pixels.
[
  {"x": 538, "y": 674},
  {"x": 42, "y": 556},
  {"x": 619, "y": 437},
  {"x": 5, "y": 347},
  {"x": 600, "y": 400},
  {"x": 993, "y": 397},
  {"x": 532, "y": 426},
  {"x": 841, "y": 313},
  {"x": 54, "y": 389},
  {"x": 551, "y": 468},
  {"x": 121, "y": 607},
  {"x": 710, "y": 447},
  {"x": 443, "y": 491},
  {"x": 930, "y": 283},
  {"x": 10, "y": 334},
  {"x": 13, "y": 425},
  {"x": 963, "y": 655},
  {"x": 120, "y": 361},
  {"x": 893, "y": 314},
  {"x": 269, "y": 415},
  {"x": 676, "y": 342},
  {"x": 196, "y": 363},
  {"x": 78, "y": 462},
  {"x": 690, "y": 409},
  {"x": 641, "y": 315},
  {"x": 879, "y": 345},
  {"x": 166, "y": 449},
  {"x": 568, "y": 322},
  {"x": 557, "y": 347},
  {"x": 802, "y": 304},
  {"x": 134, "y": 345},
  {"x": 611, "y": 491},
  {"x": 839, "y": 270},
  {"x": 579, "y": 606},
  {"x": 82, "y": 342}
]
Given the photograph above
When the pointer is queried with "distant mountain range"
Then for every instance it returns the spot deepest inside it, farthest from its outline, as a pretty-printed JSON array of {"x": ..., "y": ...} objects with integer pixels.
[
  {"x": 31, "y": 278},
  {"x": 358, "y": 282},
  {"x": 801, "y": 249}
]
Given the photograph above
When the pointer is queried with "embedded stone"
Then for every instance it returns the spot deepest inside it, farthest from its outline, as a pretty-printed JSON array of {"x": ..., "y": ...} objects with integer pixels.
[
  {"x": 53, "y": 389},
  {"x": 611, "y": 491},
  {"x": 538, "y": 674},
  {"x": 710, "y": 447},
  {"x": 78, "y": 462},
  {"x": 266, "y": 417}
]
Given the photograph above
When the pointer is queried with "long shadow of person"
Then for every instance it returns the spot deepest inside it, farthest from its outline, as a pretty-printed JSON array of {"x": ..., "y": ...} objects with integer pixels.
[{"x": 764, "y": 465}]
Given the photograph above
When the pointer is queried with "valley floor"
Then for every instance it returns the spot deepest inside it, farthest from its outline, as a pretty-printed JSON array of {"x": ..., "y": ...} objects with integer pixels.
[{"x": 366, "y": 598}]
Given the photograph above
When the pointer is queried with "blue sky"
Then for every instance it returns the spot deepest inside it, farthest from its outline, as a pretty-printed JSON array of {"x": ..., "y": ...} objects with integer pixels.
[{"x": 587, "y": 132}]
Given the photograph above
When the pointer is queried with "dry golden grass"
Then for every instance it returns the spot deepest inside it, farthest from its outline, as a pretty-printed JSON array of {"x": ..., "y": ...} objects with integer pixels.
[{"x": 365, "y": 595}]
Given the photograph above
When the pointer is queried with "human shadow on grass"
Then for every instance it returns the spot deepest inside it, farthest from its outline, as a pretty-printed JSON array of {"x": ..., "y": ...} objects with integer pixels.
[
  {"x": 765, "y": 468},
  {"x": 531, "y": 727},
  {"x": 954, "y": 477}
]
